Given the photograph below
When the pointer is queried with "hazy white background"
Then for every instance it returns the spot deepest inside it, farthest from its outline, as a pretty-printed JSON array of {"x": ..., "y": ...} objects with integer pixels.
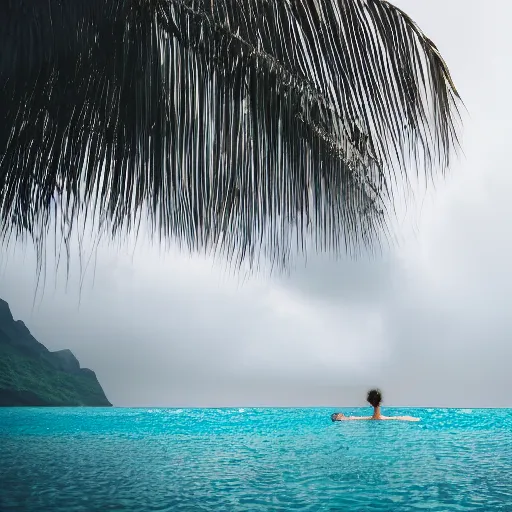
[{"x": 429, "y": 321}]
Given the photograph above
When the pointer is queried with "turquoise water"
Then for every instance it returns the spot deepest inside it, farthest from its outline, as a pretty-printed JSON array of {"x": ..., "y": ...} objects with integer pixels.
[{"x": 253, "y": 460}]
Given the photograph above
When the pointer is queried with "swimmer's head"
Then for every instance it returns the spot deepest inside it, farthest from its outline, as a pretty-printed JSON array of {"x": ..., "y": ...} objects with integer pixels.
[
  {"x": 374, "y": 397},
  {"x": 335, "y": 416}
]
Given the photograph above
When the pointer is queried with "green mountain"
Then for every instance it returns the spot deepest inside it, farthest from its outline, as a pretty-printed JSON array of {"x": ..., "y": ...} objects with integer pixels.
[{"x": 32, "y": 375}]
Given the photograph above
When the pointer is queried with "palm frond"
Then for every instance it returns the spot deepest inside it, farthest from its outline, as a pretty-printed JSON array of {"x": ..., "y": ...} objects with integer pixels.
[{"x": 227, "y": 123}]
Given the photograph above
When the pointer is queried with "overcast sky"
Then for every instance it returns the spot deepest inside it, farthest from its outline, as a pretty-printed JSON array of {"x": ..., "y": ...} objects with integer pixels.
[{"x": 429, "y": 321}]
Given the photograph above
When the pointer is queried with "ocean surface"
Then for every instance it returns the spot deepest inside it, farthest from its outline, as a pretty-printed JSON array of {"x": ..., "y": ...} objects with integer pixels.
[{"x": 83, "y": 459}]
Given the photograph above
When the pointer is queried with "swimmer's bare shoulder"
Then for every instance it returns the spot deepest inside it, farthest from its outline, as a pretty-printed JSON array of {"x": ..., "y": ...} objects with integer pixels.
[{"x": 342, "y": 417}]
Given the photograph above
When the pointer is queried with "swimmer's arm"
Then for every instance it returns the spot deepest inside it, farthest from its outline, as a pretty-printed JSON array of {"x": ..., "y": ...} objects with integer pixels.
[
  {"x": 398, "y": 418},
  {"x": 342, "y": 417},
  {"x": 401, "y": 418}
]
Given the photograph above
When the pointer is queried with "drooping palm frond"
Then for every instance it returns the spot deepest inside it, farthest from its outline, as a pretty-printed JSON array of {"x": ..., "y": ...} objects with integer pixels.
[{"x": 227, "y": 123}]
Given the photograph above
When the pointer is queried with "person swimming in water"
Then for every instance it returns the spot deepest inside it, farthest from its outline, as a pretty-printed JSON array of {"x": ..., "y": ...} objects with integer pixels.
[{"x": 374, "y": 398}]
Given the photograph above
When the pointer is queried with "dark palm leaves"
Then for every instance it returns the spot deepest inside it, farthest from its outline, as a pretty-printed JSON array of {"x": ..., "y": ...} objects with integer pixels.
[{"x": 230, "y": 123}]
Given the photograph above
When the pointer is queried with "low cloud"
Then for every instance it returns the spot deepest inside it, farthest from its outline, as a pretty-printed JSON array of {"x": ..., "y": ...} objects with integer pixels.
[{"x": 428, "y": 320}]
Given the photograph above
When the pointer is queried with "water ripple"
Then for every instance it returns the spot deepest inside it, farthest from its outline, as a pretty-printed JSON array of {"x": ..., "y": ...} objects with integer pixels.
[{"x": 253, "y": 460}]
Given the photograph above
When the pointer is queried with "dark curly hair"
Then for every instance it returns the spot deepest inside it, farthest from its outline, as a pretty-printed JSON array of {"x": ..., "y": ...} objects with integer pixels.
[{"x": 374, "y": 397}]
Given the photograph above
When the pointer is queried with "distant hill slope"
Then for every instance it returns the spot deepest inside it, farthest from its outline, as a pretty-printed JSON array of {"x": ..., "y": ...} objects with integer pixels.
[{"x": 32, "y": 375}]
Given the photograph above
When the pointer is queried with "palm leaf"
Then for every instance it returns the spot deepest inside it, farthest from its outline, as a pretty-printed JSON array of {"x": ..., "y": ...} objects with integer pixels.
[{"x": 228, "y": 124}]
